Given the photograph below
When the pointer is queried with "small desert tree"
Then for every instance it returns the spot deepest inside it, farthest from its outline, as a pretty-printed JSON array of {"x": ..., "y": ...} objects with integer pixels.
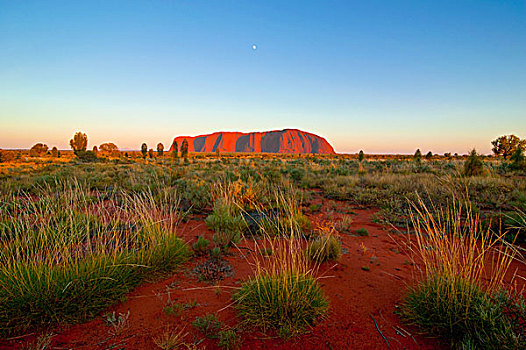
[
  {"x": 95, "y": 150},
  {"x": 517, "y": 159},
  {"x": 184, "y": 149},
  {"x": 109, "y": 149},
  {"x": 175, "y": 150},
  {"x": 473, "y": 165},
  {"x": 361, "y": 156},
  {"x": 160, "y": 149},
  {"x": 150, "y": 153},
  {"x": 418, "y": 156},
  {"x": 144, "y": 150},
  {"x": 79, "y": 143},
  {"x": 429, "y": 155},
  {"x": 54, "y": 152},
  {"x": 38, "y": 150},
  {"x": 506, "y": 145}
]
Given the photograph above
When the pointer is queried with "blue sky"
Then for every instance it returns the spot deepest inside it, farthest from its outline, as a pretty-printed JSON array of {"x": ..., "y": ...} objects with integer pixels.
[{"x": 382, "y": 76}]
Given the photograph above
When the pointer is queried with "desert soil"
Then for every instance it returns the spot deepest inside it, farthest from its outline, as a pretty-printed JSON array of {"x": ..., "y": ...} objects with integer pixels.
[{"x": 364, "y": 287}]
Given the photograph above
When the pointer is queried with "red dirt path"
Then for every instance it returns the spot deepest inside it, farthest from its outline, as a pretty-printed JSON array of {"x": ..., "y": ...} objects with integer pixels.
[{"x": 356, "y": 297}]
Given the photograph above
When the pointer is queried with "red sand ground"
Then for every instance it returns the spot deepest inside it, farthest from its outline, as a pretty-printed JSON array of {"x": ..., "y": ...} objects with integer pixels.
[{"x": 356, "y": 296}]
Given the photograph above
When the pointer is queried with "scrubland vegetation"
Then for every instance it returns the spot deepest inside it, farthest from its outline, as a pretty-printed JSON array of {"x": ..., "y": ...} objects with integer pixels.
[
  {"x": 77, "y": 235},
  {"x": 65, "y": 256}
]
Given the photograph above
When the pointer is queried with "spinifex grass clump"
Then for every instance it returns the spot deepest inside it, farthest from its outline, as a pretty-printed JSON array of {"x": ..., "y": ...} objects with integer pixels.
[
  {"x": 227, "y": 221},
  {"x": 461, "y": 293},
  {"x": 237, "y": 212},
  {"x": 284, "y": 293},
  {"x": 230, "y": 199},
  {"x": 60, "y": 264},
  {"x": 326, "y": 247},
  {"x": 282, "y": 216}
]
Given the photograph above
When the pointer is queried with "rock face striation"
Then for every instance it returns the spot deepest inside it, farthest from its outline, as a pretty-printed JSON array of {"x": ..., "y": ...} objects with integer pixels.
[{"x": 278, "y": 141}]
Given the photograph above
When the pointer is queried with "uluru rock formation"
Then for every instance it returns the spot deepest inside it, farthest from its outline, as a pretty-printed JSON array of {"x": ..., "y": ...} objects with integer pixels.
[{"x": 277, "y": 141}]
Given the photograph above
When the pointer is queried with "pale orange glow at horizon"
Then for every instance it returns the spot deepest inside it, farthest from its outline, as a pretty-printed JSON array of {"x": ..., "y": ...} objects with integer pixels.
[
  {"x": 134, "y": 72},
  {"x": 18, "y": 137}
]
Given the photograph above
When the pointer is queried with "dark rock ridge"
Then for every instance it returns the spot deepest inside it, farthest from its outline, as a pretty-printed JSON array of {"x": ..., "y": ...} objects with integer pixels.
[{"x": 277, "y": 141}]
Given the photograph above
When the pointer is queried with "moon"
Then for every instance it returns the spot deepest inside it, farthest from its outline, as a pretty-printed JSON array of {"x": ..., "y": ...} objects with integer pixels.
[{"x": 254, "y": 47}]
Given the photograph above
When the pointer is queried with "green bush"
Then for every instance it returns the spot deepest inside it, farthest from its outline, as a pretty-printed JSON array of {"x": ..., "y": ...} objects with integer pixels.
[
  {"x": 362, "y": 231},
  {"x": 285, "y": 224},
  {"x": 195, "y": 194},
  {"x": 201, "y": 246},
  {"x": 517, "y": 159},
  {"x": 87, "y": 156},
  {"x": 473, "y": 165},
  {"x": 225, "y": 218},
  {"x": 229, "y": 339},
  {"x": 226, "y": 239},
  {"x": 209, "y": 325},
  {"x": 173, "y": 309},
  {"x": 215, "y": 253}
]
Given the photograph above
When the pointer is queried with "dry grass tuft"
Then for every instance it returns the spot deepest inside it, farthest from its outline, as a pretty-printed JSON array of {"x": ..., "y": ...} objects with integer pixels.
[{"x": 461, "y": 294}]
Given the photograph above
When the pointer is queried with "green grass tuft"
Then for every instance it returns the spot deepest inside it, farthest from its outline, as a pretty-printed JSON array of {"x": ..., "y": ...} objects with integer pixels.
[
  {"x": 324, "y": 248},
  {"x": 462, "y": 312},
  {"x": 460, "y": 295},
  {"x": 289, "y": 301},
  {"x": 64, "y": 266},
  {"x": 362, "y": 232},
  {"x": 229, "y": 339},
  {"x": 209, "y": 325}
]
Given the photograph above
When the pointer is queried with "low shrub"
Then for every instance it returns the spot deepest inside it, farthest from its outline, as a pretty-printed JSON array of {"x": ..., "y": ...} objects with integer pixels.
[
  {"x": 473, "y": 166},
  {"x": 87, "y": 156},
  {"x": 226, "y": 239},
  {"x": 229, "y": 339},
  {"x": 215, "y": 253},
  {"x": 201, "y": 246},
  {"x": 362, "y": 232},
  {"x": 213, "y": 270},
  {"x": 284, "y": 223},
  {"x": 173, "y": 309},
  {"x": 314, "y": 208},
  {"x": 226, "y": 218},
  {"x": 195, "y": 194},
  {"x": 209, "y": 325}
]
